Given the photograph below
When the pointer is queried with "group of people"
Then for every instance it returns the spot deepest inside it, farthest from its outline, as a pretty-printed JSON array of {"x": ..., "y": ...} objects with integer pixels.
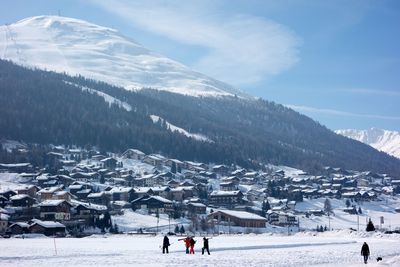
[
  {"x": 190, "y": 242},
  {"x": 189, "y": 245}
]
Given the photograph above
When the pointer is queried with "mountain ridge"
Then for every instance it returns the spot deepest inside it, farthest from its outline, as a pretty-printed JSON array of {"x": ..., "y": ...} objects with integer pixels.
[
  {"x": 382, "y": 140},
  {"x": 78, "y": 47}
]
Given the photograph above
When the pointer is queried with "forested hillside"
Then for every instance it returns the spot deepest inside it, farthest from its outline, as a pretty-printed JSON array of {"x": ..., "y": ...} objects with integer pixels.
[{"x": 45, "y": 107}]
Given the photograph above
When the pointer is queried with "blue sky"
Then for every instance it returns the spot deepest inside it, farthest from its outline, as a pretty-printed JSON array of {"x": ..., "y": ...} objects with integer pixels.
[{"x": 335, "y": 61}]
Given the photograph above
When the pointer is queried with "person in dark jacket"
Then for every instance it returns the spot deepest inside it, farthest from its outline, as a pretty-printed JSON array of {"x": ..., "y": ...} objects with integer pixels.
[
  {"x": 205, "y": 246},
  {"x": 365, "y": 252},
  {"x": 192, "y": 242},
  {"x": 166, "y": 244}
]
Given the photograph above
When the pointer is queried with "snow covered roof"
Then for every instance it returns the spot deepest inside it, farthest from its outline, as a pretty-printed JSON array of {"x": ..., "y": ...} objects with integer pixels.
[
  {"x": 121, "y": 189},
  {"x": 89, "y": 205},
  {"x": 224, "y": 193},
  {"x": 4, "y": 217},
  {"x": 161, "y": 199},
  {"x": 94, "y": 195},
  {"x": 14, "y": 165},
  {"x": 50, "y": 189},
  {"x": 242, "y": 215},
  {"x": 21, "y": 224},
  {"x": 47, "y": 224},
  {"x": 199, "y": 205},
  {"x": 18, "y": 197},
  {"x": 52, "y": 202}
]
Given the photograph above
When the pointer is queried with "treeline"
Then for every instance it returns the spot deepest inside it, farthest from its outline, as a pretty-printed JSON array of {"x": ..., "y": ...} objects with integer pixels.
[{"x": 39, "y": 106}]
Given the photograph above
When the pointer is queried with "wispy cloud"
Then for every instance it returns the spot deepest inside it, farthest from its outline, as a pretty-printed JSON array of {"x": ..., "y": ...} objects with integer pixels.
[
  {"x": 314, "y": 110},
  {"x": 241, "y": 49},
  {"x": 367, "y": 91}
]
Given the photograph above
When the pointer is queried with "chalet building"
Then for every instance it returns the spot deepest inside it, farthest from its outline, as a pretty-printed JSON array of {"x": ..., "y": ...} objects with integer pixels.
[
  {"x": 162, "y": 191},
  {"x": 143, "y": 191},
  {"x": 82, "y": 194},
  {"x": 48, "y": 228},
  {"x": 122, "y": 194},
  {"x": 85, "y": 176},
  {"x": 195, "y": 166},
  {"x": 221, "y": 169},
  {"x": 226, "y": 198},
  {"x": 19, "y": 228},
  {"x": 62, "y": 195},
  {"x": 109, "y": 163},
  {"x": 146, "y": 180},
  {"x": 16, "y": 167},
  {"x": 3, "y": 222},
  {"x": 134, "y": 154},
  {"x": 22, "y": 201},
  {"x": 55, "y": 210},
  {"x": 238, "y": 218},
  {"x": 178, "y": 163},
  {"x": 273, "y": 217},
  {"x": 8, "y": 193},
  {"x": 100, "y": 198},
  {"x": 75, "y": 188},
  {"x": 173, "y": 184},
  {"x": 154, "y": 160},
  {"x": 87, "y": 210},
  {"x": 233, "y": 179},
  {"x": 286, "y": 219},
  {"x": 30, "y": 190},
  {"x": 196, "y": 208},
  {"x": 47, "y": 193},
  {"x": 228, "y": 186},
  {"x": 153, "y": 204},
  {"x": 177, "y": 194}
]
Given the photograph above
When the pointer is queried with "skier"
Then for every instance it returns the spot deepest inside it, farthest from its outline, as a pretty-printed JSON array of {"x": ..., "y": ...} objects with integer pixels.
[
  {"x": 166, "y": 244},
  {"x": 205, "y": 246},
  {"x": 365, "y": 252},
  {"x": 192, "y": 242}
]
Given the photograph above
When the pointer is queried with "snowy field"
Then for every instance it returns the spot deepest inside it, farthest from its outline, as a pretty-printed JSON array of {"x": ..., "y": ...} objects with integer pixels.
[{"x": 337, "y": 248}]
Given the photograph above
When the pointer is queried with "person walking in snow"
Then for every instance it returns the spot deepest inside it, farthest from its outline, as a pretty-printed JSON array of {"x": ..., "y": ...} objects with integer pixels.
[
  {"x": 192, "y": 242},
  {"x": 205, "y": 246},
  {"x": 365, "y": 252},
  {"x": 166, "y": 244},
  {"x": 187, "y": 244}
]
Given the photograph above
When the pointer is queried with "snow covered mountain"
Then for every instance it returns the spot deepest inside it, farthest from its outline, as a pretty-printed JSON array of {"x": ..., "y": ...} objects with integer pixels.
[
  {"x": 383, "y": 140},
  {"x": 78, "y": 47}
]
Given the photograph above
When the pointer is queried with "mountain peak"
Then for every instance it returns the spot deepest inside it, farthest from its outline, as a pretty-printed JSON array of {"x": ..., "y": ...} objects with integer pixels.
[
  {"x": 78, "y": 47},
  {"x": 383, "y": 140}
]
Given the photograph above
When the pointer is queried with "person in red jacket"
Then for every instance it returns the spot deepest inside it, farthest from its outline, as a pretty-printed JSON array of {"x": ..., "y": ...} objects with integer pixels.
[
  {"x": 187, "y": 244},
  {"x": 192, "y": 242}
]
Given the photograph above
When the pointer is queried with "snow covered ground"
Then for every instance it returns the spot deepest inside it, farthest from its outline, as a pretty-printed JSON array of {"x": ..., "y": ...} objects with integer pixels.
[
  {"x": 384, "y": 207},
  {"x": 337, "y": 248}
]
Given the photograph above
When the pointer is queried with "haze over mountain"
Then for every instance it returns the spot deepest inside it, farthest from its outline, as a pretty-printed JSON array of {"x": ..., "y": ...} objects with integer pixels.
[
  {"x": 78, "y": 47},
  {"x": 383, "y": 140}
]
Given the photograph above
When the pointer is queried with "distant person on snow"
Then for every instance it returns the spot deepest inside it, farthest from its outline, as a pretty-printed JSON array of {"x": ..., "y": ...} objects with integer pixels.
[
  {"x": 205, "y": 246},
  {"x": 365, "y": 252},
  {"x": 187, "y": 244},
  {"x": 166, "y": 244},
  {"x": 192, "y": 242}
]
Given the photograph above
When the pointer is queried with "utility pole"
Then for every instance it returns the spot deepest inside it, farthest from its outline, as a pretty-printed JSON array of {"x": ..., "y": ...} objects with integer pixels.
[
  {"x": 329, "y": 220},
  {"x": 358, "y": 223}
]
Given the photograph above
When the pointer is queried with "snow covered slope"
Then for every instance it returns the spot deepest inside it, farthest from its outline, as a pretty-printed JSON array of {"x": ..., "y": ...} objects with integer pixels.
[
  {"x": 79, "y": 47},
  {"x": 383, "y": 140}
]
